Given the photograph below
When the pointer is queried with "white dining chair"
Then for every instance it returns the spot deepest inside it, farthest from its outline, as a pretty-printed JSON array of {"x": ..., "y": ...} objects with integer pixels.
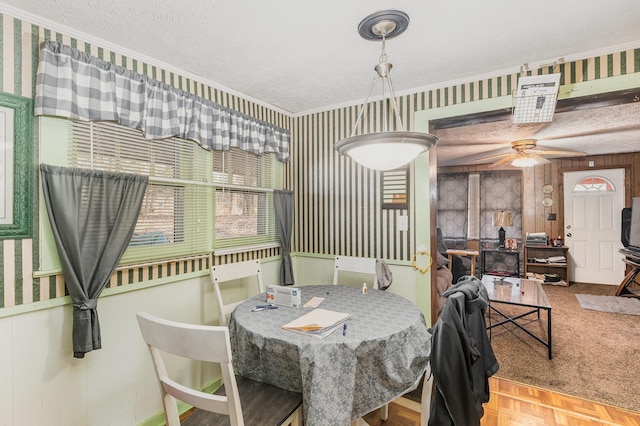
[
  {"x": 247, "y": 270},
  {"x": 360, "y": 265},
  {"x": 239, "y": 402},
  {"x": 419, "y": 400}
]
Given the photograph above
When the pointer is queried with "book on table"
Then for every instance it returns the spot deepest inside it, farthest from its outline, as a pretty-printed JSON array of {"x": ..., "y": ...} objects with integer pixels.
[{"x": 318, "y": 323}]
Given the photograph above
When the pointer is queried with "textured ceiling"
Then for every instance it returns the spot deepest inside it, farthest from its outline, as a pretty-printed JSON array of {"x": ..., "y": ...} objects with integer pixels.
[
  {"x": 299, "y": 56},
  {"x": 604, "y": 130}
]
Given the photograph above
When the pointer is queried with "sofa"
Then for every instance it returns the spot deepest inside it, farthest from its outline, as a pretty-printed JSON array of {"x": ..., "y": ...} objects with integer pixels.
[
  {"x": 461, "y": 265},
  {"x": 444, "y": 280}
]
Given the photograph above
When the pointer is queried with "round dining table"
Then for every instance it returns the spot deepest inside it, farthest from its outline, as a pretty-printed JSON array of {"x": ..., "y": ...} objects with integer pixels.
[{"x": 381, "y": 353}]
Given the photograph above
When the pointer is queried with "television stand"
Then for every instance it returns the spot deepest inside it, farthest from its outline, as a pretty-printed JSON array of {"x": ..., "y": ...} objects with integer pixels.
[{"x": 630, "y": 278}]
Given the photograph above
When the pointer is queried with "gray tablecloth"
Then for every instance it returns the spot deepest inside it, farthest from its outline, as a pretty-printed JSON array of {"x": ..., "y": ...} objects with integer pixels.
[{"x": 384, "y": 352}]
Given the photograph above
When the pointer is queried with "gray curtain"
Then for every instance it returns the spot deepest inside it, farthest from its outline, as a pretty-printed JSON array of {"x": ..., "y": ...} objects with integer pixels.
[
  {"x": 283, "y": 203},
  {"x": 93, "y": 215}
]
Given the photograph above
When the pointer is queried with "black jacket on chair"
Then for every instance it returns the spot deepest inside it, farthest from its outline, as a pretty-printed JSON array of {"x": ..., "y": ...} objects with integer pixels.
[{"x": 462, "y": 359}]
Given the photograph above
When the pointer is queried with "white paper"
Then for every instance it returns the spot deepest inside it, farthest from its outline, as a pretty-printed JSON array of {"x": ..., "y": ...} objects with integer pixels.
[{"x": 317, "y": 320}]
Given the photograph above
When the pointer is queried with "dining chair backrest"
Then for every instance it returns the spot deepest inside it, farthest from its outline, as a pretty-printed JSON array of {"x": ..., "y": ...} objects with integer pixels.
[
  {"x": 196, "y": 342},
  {"x": 427, "y": 394},
  {"x": 250, "y": 269},
  {"x": 361, "y": 265}
]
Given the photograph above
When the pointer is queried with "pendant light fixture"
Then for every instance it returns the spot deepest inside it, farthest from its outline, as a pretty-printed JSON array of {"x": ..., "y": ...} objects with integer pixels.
[{"x": 389, "y": 149}]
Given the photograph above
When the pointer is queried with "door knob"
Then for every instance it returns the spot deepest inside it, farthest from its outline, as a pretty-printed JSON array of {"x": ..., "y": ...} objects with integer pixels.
[{"x": 569, "y": 234}]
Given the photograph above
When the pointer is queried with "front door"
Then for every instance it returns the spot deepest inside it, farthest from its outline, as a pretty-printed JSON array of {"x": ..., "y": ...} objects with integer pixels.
[{"x": 593, "y": 203}]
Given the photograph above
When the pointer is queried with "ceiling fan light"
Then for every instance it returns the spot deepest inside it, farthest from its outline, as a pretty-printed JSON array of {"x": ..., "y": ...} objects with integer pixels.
[{"x": 524, "y": 161}]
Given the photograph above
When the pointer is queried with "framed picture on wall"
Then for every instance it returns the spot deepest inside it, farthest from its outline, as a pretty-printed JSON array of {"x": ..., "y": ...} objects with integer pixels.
[{"x": 511, "y": 244}]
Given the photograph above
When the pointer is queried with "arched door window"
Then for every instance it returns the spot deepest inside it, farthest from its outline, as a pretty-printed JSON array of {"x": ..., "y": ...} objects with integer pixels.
[{"x": 594, "y": 184}]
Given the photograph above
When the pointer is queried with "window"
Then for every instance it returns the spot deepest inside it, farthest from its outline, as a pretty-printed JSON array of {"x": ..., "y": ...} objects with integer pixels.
[
  {"x": 594, "y": 183},
  {"x": 244, "y": 214},
  {"x": 468, "y": 201},
  {"x": 174, "y": 219},
  {"x": 453, "y": 205},
  {"x": 178, "y": 217},
  {"x": 500, "y": 191},
  {"x": 16, "y": 169}
]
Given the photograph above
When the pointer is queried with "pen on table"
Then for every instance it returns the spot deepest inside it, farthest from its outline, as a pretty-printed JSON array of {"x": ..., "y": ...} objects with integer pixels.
[
  {"x": 263, "y": 307},
  {"x": 344, "y": 329}
]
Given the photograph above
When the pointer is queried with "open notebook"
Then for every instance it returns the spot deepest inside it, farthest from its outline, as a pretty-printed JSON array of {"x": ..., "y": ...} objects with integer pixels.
[{"x": 318, "y": 323}]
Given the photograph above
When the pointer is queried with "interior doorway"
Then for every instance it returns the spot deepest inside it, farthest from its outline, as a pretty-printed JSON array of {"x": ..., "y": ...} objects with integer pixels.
[{"x": 593, "y": 202}]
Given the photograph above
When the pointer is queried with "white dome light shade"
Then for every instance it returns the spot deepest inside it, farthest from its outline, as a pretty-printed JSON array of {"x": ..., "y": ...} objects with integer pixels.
[
  {"x": 386, "y": 150},
  {"x": 524, "y": 161}
]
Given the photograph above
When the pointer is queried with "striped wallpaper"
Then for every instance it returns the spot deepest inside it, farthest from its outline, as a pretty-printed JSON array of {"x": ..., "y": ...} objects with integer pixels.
[
  {"x": 338, "y": 203},
  {"x": 19, "y": 51}
]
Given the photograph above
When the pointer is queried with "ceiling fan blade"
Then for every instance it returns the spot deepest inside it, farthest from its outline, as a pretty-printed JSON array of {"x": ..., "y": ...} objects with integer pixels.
[
  {"x": 494, "y": 157},
  {"x": 539, "y": 159},
  {"x": 484, "y": 145},
  {"x": 557, "y": 152},
  {"x": 507, "y": 159}
]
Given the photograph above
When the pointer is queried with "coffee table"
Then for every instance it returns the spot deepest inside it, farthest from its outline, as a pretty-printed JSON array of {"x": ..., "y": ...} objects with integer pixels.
[{"x": 518, "y": 292}]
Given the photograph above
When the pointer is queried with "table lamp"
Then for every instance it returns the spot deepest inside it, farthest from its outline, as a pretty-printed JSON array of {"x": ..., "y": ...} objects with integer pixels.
[{"x": 502, "y": 219}]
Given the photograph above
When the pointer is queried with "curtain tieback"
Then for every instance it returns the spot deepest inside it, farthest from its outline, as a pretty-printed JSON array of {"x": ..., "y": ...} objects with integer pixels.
[{"x": 86, "y": 305}]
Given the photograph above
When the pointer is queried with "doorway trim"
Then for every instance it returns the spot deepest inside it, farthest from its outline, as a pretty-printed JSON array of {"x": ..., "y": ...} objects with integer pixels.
[{"x": 423, "y": 117}]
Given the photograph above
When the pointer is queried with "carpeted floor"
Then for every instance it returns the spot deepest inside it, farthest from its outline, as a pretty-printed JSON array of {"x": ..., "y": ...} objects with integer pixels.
[{"x": 596, "y": 355}]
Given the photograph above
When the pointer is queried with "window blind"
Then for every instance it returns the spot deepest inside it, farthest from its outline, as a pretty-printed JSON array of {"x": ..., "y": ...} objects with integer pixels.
[
  {"x": 174, "y": 219},
  {"x": 244, "y": 213},
  {"x": 395, "y": 188}
]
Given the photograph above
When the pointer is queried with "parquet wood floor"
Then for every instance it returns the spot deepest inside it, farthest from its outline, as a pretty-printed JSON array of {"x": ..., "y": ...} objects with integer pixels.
[{"x": 514, "y": 404}]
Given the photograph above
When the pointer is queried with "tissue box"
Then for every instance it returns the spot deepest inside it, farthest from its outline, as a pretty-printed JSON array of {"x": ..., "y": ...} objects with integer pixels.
[{"x": 283, "y": 295}]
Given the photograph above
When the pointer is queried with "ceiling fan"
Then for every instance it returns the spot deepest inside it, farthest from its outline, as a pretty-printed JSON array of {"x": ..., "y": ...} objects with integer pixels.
[{"x": 526, "y": 154}]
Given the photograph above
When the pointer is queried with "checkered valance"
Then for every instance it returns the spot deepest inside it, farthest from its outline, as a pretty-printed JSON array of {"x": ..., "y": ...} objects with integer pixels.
[{"x": 74, "y": 85}]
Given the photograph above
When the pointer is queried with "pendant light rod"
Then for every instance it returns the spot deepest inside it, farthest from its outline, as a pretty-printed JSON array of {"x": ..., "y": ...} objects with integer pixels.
[
  {"x": 355, "y": 126},
  {"x": 383, "y": 69}
]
